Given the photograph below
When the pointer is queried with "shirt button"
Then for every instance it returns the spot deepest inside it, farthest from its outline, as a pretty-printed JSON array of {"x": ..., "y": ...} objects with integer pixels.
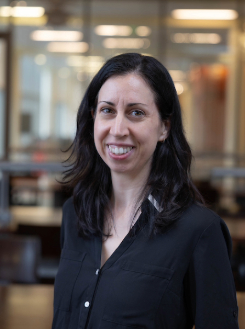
[
  {"x": 97, "y": 272},
  {"x": 235, "y": 314},
  {"x": 86, "y": 304}
]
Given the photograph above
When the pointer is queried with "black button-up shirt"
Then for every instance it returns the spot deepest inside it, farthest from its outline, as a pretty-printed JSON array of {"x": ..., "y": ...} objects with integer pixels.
[{"x": 172, "y": 281}]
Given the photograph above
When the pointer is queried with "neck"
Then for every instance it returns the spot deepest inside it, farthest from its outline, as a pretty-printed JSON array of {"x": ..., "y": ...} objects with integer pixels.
[{"x": 126, "y": 190}]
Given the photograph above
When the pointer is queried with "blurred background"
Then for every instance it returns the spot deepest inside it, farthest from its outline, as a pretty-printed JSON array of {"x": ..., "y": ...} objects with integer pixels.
[{"x": 49, "y": 51}]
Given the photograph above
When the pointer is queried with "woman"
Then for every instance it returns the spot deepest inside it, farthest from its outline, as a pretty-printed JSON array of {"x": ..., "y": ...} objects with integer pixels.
[{"x": 139, "y": 248}]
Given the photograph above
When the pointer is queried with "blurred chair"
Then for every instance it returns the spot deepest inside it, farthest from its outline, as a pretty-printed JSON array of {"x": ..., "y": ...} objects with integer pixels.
[
  {"x": 50, "y": 240},
  {"x": 19, "y": 258}
]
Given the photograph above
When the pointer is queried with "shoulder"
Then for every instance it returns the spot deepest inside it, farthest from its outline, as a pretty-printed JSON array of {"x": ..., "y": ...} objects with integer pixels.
[
  {"x": 68, "y": 206},
  {"x": 202, "y": 223},
  {"x": 69, "y": 214},
  {"x": 200, "y": 218}
]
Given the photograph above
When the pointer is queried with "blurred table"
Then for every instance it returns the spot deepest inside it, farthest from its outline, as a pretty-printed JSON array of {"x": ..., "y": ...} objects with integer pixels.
[
  {"x": 26, "y": 306},
  {"x": 31, "y": 306},
  {"x": 45, "y": 216}
]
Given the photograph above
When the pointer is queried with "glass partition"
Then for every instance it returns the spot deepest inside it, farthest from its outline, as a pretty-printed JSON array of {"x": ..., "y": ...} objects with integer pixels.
[{"x": 55, "y": 56}]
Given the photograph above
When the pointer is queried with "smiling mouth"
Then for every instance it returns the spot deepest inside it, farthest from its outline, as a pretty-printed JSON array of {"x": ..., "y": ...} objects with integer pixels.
[{"x": 119, "y": 150}]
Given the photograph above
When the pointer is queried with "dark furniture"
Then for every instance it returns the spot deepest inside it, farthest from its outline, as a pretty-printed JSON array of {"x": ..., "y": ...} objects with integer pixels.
[{"x": 19, "y": 258}]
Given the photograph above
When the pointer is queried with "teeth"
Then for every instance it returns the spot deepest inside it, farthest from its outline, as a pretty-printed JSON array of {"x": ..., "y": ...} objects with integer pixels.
[{"x": 119, "y": 150}]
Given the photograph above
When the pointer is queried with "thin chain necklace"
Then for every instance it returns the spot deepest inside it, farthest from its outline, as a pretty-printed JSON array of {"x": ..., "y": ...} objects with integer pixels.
[{"x": 111, "y": 222}]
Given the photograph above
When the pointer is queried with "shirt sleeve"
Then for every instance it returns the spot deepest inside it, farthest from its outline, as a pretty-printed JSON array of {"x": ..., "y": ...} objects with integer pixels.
[
  {"x": 62, "y": 228},
  {"x": 62, "y": 237},
  {"x": 211, "y": 293}
]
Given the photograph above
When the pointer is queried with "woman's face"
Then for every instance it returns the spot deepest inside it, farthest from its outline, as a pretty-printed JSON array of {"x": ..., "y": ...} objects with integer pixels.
[{"x": 127, "y": 125}]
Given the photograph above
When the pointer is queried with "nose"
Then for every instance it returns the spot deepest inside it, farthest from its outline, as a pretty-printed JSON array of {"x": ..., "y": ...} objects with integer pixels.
[{"x": 119, "y": 126}]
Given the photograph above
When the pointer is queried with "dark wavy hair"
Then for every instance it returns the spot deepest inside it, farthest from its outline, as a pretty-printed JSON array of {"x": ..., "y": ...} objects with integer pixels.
[{"x": 169, "y": 181}]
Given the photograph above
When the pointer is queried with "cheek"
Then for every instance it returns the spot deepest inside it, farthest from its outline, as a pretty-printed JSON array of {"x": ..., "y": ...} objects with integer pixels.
[
  {"x": 99, "y": 135},
  {"x": 96, "y": 136},
  {"x": 150, "y": 134},
  {"x": 150, "y": 139}
]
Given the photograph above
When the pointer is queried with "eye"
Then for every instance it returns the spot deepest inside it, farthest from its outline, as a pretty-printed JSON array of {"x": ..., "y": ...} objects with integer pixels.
[
  {"x": 137, "y": 113},
  {"x": 106, "y": 110}
]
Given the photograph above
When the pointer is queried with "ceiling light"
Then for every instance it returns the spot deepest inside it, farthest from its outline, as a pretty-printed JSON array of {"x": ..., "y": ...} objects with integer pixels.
[
  {"x": 208, "y": 38},
  {"x": 207, "y": 14},
  {"x": 50, "y": 35},
  {"x": 20, "y": 11},
  {"x": 120, "y": 30},
  {"x": 68, "y": 47},
  {"x": 5, "y": 11},
  {"x": 143, "y": 31},
  {"x": 128, "y": 43}
]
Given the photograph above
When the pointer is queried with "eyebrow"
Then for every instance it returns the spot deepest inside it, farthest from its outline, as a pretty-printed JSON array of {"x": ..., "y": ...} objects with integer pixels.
[{"x": 129, "y": 104}]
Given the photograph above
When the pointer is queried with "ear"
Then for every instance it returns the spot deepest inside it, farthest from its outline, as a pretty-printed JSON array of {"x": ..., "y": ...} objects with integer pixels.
[{"x": 164, "y": 130}]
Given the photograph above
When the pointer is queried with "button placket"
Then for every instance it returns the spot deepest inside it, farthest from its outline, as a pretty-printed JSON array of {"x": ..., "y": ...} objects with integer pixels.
[{"x": 87, "y": 304}]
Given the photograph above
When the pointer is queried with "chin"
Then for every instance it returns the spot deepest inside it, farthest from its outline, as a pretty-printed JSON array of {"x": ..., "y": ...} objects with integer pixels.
[{"x": 119, "y": 169}]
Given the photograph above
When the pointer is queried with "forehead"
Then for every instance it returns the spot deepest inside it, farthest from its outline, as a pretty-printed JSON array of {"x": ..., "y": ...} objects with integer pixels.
[{"x": 131, "y": 87}]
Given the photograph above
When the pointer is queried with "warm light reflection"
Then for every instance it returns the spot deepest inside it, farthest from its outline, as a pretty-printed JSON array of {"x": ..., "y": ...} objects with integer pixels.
[
  {"x": 68, "y": 47},
  {"x": 128, "y": 43},
  {"x": 119, "y": 30},
  {"x": 179, "y": 88},
  {"x": 208, "y": 38},
  {"x": 177, "y": 75},
  {"x": 206, "y": 14},
  {"x": 25, "y": 21},
  {"x": 19, "y": 11},
  {"x": 50, "y": 35},
  {"x": 143, "y": 31}
]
